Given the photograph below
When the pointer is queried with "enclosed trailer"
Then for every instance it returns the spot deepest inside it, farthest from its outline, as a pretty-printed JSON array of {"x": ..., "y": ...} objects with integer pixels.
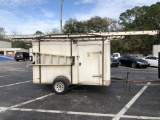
[
  {"x": 66, "y": 59},
  {"x": 156, "y": 50}
]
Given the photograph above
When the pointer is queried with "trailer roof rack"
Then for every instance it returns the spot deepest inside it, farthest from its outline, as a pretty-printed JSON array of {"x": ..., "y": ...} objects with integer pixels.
[{"x": 84, "y": 36}]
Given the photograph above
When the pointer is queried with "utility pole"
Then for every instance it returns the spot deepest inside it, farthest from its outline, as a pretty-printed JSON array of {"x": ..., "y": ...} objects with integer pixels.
[{"x": 61, "y": 16}]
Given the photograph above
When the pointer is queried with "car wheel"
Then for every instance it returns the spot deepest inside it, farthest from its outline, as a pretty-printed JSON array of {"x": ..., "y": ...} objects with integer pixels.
[
  {"x": 17, "y": 60},
  {"x": 120, "y": 64},
  {"x": 60, "y": 85},
  {"x": 133, "y": 65}
]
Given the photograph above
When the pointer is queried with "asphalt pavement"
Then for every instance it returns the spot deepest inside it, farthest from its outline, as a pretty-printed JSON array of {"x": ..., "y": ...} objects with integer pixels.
[{"x": 22, "y": 100}]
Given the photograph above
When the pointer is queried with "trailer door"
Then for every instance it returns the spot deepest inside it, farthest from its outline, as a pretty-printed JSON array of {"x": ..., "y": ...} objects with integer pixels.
[{"x": 89, "y": 57}]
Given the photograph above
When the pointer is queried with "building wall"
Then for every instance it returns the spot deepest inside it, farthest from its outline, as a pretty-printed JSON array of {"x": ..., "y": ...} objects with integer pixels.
[
  {"x": 5, "y": 49},
  {"x": 11, "y": 51},
  {"x": 4, "y": 44}
]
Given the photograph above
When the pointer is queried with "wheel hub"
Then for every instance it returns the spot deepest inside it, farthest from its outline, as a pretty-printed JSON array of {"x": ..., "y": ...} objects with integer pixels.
[{"x": 59, "y": 87}]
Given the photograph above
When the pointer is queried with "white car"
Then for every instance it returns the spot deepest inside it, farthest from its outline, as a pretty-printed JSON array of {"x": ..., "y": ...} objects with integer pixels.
[
  {"x": 116, "y": 55},
  {"x": 153, "y": 60}
]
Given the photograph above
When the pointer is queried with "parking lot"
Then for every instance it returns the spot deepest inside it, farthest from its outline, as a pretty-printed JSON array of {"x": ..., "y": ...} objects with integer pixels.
[{"x": 20, "y": 99}]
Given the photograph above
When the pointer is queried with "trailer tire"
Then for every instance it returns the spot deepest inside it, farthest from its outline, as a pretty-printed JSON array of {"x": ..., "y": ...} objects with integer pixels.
[{"x": 60, "y": 85}]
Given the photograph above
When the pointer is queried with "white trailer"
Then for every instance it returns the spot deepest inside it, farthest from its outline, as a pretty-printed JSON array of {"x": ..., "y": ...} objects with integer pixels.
[
  {"x": 156, "y": 50},
  {"x": 66, "y": 59},
  {"x": 63, "y": 60}
]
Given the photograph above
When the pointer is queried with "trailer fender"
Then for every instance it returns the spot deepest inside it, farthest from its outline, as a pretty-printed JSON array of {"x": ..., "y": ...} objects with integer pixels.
[{"x": 60, "y": 85}]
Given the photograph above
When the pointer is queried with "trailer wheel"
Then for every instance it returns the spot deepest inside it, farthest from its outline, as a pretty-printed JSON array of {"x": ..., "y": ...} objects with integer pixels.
[{"x": 60, "y": 85}]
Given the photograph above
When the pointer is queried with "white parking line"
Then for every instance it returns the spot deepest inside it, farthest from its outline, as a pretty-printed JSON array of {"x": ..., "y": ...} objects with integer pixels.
[
  {"x": 128, "y": 105},
  {"x": 17, "y": 70},
  {"x": 64, "y": 112},
  {"x": 4, "y": 75},
  {"x": 15, "y": 84},
  {"x": 116, "y": 117},
  {"x": 141, "y": 117},
  {"x": 39, "y": 98},
  {"x": 79, "y": 113}
]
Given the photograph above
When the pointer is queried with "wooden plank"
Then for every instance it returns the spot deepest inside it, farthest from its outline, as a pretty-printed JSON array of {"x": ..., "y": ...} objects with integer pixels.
[
  {"x": 131, "y": 80},
  {"x": 50, "y": 54},
  {"x": 50, "y": 64}
]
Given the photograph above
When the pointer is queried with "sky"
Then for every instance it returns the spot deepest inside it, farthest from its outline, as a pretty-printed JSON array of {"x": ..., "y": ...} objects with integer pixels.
[{"x": 29, "y": 16}]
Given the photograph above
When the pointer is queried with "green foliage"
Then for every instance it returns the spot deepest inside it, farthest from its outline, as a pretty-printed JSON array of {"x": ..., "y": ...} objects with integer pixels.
[
  {"x": 38, "y": 33},
  {"x": 94, "y": 24},
  {"x": 21, "y": 44},
  {"x": 97, "y": 24},
  {"x": 2, "y": 32},
  {"x": 74, "y": 26},
  {"x": 140, "y": 18}
]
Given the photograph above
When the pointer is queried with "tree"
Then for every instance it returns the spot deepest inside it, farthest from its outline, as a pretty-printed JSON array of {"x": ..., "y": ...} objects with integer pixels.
[
  {"x": 74, "y": 26},
  {"x": 15, "y": 32},
  {"x": 141, "y": 18},
  {"x": 38, "y": 33},
  {"x": 52, "y": 31},
  {"x": 2, "y": 32},
  {"x": 55, "y": 31},
  {"x": 94, "y": 24},
  {"x": 18, "y": 44},
  {"x": 113, "y": 25},
  {"x": 97, "y": 24}
]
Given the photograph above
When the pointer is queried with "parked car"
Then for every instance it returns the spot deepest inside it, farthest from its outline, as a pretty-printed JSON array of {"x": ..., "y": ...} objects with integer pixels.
[
  {"x": 116, "y": 55},
  {"x": 21, "y": 56},
  {"x": 114, "y": 62},
  {"x": 132, "y": 61},
  {"x": 153, "y": 60}
]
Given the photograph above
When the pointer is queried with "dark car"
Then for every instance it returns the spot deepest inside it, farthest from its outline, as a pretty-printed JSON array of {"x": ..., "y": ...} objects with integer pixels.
[
  {"x": 21, "y": 56},
  {"x": 132, "y": 61},
  {"x": 114, "y": 62}
]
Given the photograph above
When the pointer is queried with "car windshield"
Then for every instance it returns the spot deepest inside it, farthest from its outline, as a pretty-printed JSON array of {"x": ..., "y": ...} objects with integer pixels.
[
  {"x": 18, "y": 53},
  {"x": 115, "y": 55},
  {"x": 136, "y": 58}
]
